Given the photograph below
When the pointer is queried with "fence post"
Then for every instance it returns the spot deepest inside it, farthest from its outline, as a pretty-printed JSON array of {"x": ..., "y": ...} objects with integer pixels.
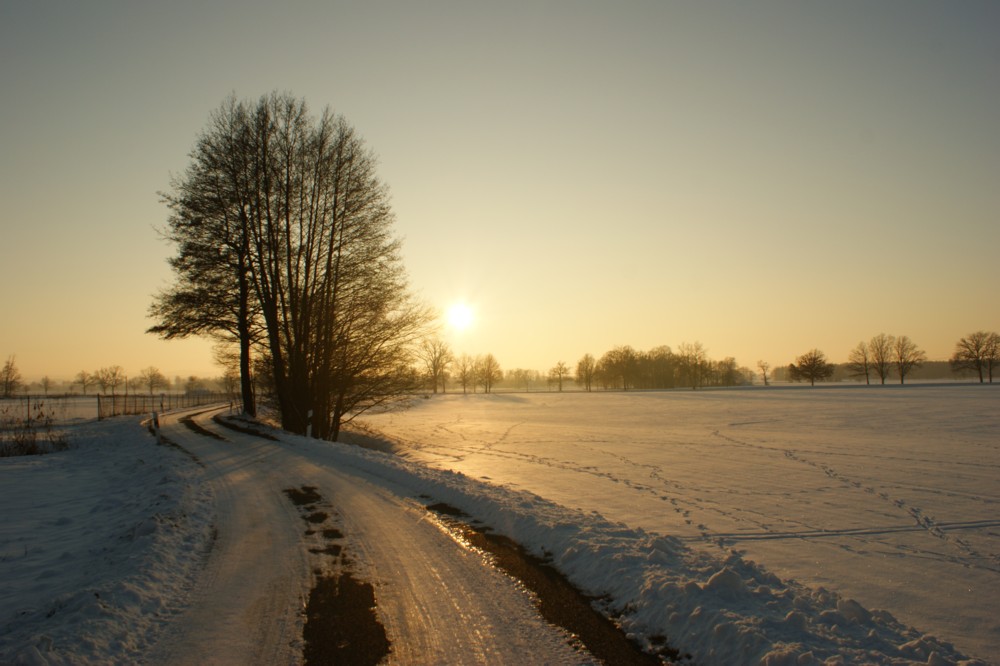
[{"x": 156, "y": 428}]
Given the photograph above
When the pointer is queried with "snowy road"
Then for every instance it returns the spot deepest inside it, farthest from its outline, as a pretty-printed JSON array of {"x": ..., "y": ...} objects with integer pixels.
[{"x": 437, "y": 600}]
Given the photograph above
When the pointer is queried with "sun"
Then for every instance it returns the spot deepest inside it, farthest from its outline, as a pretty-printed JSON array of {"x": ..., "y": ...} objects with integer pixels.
[{"x": 460, "y": 316}]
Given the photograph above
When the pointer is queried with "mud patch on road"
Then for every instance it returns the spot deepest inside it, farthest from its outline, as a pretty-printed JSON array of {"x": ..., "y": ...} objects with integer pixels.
[
  {"x": 341, "y": 625},
  {"x": 559, "y": 602},
  {"x": 303, "y": 496}
]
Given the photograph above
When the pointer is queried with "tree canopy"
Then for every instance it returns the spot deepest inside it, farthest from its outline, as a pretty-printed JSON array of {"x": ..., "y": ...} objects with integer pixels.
[
  {"x": 284, "y": 240},
  {"x": 811, "y": 366}
]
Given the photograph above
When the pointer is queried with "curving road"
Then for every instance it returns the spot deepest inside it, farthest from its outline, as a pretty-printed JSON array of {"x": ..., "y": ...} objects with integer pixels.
[{"x": 438, "y": 601}]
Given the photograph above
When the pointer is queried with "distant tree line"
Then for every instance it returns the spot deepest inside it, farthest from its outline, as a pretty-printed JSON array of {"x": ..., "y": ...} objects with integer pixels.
[
  {"x": 622, "y": 368},
  {"x": 885, "y": 355},
  {"x": 625, "y": 368}
]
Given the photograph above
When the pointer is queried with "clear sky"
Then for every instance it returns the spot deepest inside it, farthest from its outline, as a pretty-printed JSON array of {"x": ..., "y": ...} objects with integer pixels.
[{"x": 762, "y": 177}]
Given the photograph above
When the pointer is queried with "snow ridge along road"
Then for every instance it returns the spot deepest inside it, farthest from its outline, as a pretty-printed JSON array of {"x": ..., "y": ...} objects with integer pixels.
[{"x": 436, "y": 599}]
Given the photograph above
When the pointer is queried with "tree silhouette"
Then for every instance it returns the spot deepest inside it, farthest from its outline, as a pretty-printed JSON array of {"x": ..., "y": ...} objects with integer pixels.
[
  {"x": 812, "y": 366},
  {"x": 284, "y": 242},
  {"x": 979, "y": 352},
  {"x": 907, "y": 356}
]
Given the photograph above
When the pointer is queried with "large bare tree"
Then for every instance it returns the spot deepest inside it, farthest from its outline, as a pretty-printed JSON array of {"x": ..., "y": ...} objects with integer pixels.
[
  {"x": 151, "y": 379},
  {"x": 906, "y": 356},
  {"x": 880, "y": 351},
  {"x": 859, "y": 362},
  {"x": 585, "y": 369},
  {"x": 437, "y": 357},
  {"x": 85, "y": 380},
  {"x": 211, "y": 208},
  {"x": 693, "y": 363},
  {"x": 488, "y": 372},
  {"x": 979, "y": 352},
  {"x": 812, "y": 366},
  {"x": 110, "y": 377},
  {"x": 764, "y": 367},
  {"x": 299, "y": 211},
  {"x": 10, "y": 378},
  {"x": 558, "y": 373},
  {"x": 465, "y": 372}
]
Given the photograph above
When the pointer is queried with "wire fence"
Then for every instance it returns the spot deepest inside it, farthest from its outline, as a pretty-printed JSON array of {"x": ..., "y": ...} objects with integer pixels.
[
  {"x": 50, "y": 408},
  {"x": 67, "y": 409},
  {"x": 119, "y": 405}
]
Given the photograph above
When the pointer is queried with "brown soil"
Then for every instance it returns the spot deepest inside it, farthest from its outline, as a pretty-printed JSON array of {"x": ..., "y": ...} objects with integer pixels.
[
  {"x": 559, "y": 601},
  {"x": 303, "y": 496},
  {"x": 341, "y": 624}
]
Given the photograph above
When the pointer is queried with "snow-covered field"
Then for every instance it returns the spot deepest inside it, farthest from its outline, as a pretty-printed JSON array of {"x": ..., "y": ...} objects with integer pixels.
[
  {"x": 783, "y": 526},
  {"x": 885, "y": 495}
]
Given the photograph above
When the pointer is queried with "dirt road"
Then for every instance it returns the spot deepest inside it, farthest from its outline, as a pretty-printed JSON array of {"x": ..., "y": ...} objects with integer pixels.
[{"x": 436, "y": 599}]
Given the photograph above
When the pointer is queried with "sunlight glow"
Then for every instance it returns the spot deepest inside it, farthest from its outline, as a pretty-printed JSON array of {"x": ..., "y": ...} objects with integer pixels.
[{"x": 460, "y": 316}]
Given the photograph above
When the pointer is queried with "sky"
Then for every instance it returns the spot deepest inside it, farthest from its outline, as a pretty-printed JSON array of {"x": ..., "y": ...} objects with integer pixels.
[{"x": 761, "y": 177}]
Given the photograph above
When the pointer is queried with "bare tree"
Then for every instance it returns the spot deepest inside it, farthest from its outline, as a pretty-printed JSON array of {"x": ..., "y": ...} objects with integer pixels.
[
  {"x": 906, "y": 356},
  {"x": 211, "y": 209},
  {"x": 559, "y": 372},
  {"x": 728, "y": 372},
  {"x": 10, "y": 378},
  {"x": 585, "y": 369},
  {"x": 85, "y": 380},
  {"x": 619, "y": 367},
  {"x": 764, "y": 367},
  {"x": 465, "y": 366},
  {"x": 978, "y": 352},
  {"x": 488, "y": 372},
  {"x": 151, "y": 379},
  {"x": 812, "y": 366},
  {"x": 298, "y": 209},
  {"x": 437, "y": 358},
  {"x": 110, "y": 377},
  {"x": 194, "y": 384},
  {"x": 657, "y": 368},
  {"x": 522, "y": 377},
  {"x": 880, "y": 351},
  {"x": 859, "y": 362},
  {"x": 46, "y": 383},
  {"x": 693, "y": 363}
]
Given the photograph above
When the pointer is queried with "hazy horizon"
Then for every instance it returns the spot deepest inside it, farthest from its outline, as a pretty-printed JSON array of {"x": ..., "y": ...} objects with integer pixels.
[{"x": 761, "y": 178}]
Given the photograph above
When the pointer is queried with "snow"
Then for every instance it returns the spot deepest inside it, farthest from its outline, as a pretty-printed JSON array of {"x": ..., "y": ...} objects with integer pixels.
[
  {"x": 776, "y": 527},
  {"x": 97, "y": 545},
  {"x": 862, "y": 502}
]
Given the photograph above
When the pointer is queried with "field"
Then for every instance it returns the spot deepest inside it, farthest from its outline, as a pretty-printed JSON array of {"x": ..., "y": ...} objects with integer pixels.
[{"x": 884, "y": 495}]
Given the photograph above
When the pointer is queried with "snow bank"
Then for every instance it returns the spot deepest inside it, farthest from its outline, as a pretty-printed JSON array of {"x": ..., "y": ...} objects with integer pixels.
[
  {"x": 98, "y": 545},
  {"x": 718, "y": 610}
]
